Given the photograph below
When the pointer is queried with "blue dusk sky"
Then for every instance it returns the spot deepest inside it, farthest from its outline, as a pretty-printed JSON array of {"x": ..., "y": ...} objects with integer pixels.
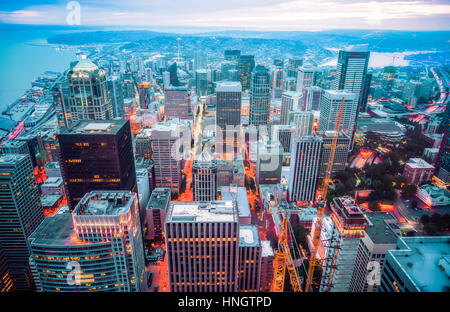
[{"x": 238, "y": 14}]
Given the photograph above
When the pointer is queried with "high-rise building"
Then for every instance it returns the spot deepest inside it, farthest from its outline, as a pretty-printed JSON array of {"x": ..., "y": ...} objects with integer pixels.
[
  {"x": 284, "y": 134},
  {"x": 96, "y": 155},
  {"x": 303, "y": 122},
  {"x": 156, "y": 213},
  {"x": 143, "y": 146},
  {"x": 167, "y": 165},
  {"x": 304, "y": 168},
  {"x": 365, "y": 93},
  {"x": 290, "y": 101},
  {"x": 200, "y": 60},
  {"x": 311, "y": 98},
  {"x": 293, "y": 66},
  {"x": 102, "y": 240},
  {"x": 329, "y": 108},
  {"x": 305, "y": 77},
  {"x": 246, "y": 66},
  {"x": 259, "y": 96},
  {"x": 351, "y": 70},
  {"x": 20, "y": 214},
  {"x": 269, "y": 162},
  {"x": 347, "y": 229},
  {"x": 6, "y": 280},
  {"x": 250, "y": 254},
  {"x": 340, "y": 156},
  {"x": 204, "y": 183},
  {"x": 89, "y": 97},
  {"x": 202, "y": 242},
  {"x": 201, "y": 82},
  {"x": 228, "y": 116},
  {"x": 417, "y": 264},
  {"x": 173, "y": 75},
  {"x": 232, "y": 55},
  {"x": 378, "y": 239},
  {"x": 177, "y": 103},
  {"x": 116, "y": 93},
  {"x": 60, "y": 93}
]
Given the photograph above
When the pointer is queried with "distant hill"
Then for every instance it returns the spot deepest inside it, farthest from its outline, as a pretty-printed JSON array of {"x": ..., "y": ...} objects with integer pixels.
[{"x": 378, "y": 41}]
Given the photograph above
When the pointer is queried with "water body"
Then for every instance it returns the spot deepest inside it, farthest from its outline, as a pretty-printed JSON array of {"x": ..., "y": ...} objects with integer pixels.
[{"x": 24, "y": 55}]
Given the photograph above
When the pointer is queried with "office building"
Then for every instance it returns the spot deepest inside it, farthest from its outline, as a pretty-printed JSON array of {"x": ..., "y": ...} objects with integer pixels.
[
  {"x": 250, "y": 251},
  {"x": 116, "y": 93},
  {"x": 142, "y": 144},
  {"x": 200, "y": 60},
  {"x": 201, "y": 82},
  {"x": 418, "y": 171},
  {"x": 351, "y": 69},
  {"x": 290, "y": 101},
  {"x": 246, "y": 66},
  {"x": 269, "y": 162},
  {"x": 6, "y": 279},
  {"x": 96, "y": 155},
  {"x": 173, "y": 75},
  {"x": 89, "y": 97},
  {"x": 304, "y": 168},
  {"x": 232, "y": 55},
  {"x": 303, "y": 121},
  {"x": 267, "y": 255},
  {"x": 156, "y": 213},
  {"x": 259, "y": 96},
  {"x": 204, "y": 183},
  {"x": 202, "y": 242},
  {"x": 365, "y": 93},
  {"x": 293, "y": 66},
  {"x": 347, "y": 229},
  {"x": 228, "y": 117},
  {"x": 104, "y": 239},
  {"x": 378, "y": 239},
  {"x": 417, "y": 264},
  {"x": 329, "y": 108},
  {"x": 284, "y": 134},
  {"x": 311, "y": 98},
  {"x": 340, "y": 155},
  {"x": 20, "y": 214},
  {"x": 177, "y": 103},
  {"x": 443, "y": 160},
  {"x": 238, "y": 194},
  {"x": 305, "y": 77},
  {"x": 167, "y": 164}
]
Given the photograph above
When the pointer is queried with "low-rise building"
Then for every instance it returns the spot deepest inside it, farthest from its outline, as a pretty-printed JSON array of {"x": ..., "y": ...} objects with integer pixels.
[{"x": 418, "y": 171}]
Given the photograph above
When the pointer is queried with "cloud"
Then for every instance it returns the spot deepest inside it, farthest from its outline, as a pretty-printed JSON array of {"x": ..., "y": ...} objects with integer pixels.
[{"x": 249, "y": 14}]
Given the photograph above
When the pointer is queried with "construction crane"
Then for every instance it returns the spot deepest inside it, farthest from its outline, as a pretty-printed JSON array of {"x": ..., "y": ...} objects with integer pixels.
[
  {"x": 320, "y": 202},
  {"x": 283, "y": 258}
]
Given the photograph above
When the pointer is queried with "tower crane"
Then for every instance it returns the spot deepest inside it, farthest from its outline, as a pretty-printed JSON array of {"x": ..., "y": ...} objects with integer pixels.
[
  {"x": 283, "y": 258},
  {"x": 320, "y": 202}
]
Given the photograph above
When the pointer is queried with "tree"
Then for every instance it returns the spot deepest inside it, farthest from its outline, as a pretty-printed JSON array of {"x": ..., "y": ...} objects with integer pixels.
[
  {"x": 374, "y": 206},
  {"x": 409, "y": 190}
]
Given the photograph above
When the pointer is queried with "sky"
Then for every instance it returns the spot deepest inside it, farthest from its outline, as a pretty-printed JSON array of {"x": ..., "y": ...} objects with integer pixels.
[{"x": 234, "y": 14}]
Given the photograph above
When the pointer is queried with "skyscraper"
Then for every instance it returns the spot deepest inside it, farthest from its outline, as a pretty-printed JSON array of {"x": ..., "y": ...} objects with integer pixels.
[
  {"x": 351, "y": 69},
  {"x": 173, "y": 72},
  {"x": 293, "y": 66},
  {"x": 20, "y": 214},
  {"x": 232, "y": 55},
  {"x": 89, "y": 98},
  {"x": 303, "y": 122},
  {"x": 304, "y": 168},
  {"x": 340, "y": 156},
  {"x": 210, "y": 231},
  {"x": 259, "y": 96},
  {"x": 443, "y": 160},
  {"x": 204, "y": 182},
  {"x": 6, "y": 280},
  {"x": 200, "y": 60},
  {"x": 167, "y": 166},
  {"x": 102, "y": 239},
  {"x": 290, "y": 101},
  {"x": 96, "y": 155},
  {"x": 341, "y": 249},
  {"x": 116, "y": 93},
  {"x": 305, "y": 77},
  {"x": 246, "y": 66},
  {"x": 329, "y": 108},
  {"x": 269, "y": 161},
  {"x": 311, "y": 98},
  {"x": 365, "y": 93},
  {"x": 201, "y": 82},
  {"x": 177, "y": 103},
  {"x": 228, "y": 116}
]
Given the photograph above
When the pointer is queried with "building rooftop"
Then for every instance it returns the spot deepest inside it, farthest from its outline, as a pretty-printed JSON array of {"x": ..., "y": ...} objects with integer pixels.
[
  {"x": 228, "y": 86},
  {"x": 419, "y": 258},
  {"x": 105, "y": 203},
  {"x": 159, "y": 199},
  {"x": 238, "y": 194},
  {"x": 293, "y": 94},
  {"x": 379, "y": 229},
  {"x": 53, "y": 182},
  {"x": 249, "y": 236},
  {"x": 49, "y": 200},
  {"x": 85, "y": 65},
  {"x": 11, "y": 159},
  {"x": 214, "y": 211},
  {"x": 419, "y": 163},
  {"x": 96, "y": 127}
]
